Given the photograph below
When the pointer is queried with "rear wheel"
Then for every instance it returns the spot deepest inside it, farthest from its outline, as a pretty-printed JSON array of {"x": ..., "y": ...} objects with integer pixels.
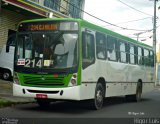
[
  {"x": 138, "y": 94},
  {"x": 136, "y": 97},
  {"x": 98, "y": 100}
]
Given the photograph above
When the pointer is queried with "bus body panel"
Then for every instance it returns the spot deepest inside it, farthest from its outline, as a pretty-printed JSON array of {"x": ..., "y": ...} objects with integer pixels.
[
  {"x": 120, "y": 78},
  {"x": 131, "y": 73},
  {"x": 6, "y": 58},
  {"x": 69, "y": 93}
]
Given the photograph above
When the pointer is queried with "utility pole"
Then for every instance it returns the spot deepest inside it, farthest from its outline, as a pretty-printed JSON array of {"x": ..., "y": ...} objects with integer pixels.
[
  {"x": 154, "y": 39},
  {"x": 137, "y": 34}
]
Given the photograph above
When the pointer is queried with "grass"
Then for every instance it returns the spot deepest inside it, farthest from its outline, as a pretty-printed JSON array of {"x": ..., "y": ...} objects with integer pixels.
[{"x": 6, "y": 103}]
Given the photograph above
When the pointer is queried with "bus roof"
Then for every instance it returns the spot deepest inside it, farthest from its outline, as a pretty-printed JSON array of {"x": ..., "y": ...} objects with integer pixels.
[{"x": 89, "y": 25}]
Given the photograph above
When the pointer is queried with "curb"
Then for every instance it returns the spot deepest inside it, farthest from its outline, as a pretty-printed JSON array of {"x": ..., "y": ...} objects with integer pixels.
[{"x": 7, "y": 103}]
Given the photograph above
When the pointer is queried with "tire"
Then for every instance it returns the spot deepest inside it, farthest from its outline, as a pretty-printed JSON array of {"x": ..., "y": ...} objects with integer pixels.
[
  {"x": 97, "y": 102},
  {"x": 6, "y": 75},
  {"x": 136, "y": 97},
  {"x": 43, "y": 103}
]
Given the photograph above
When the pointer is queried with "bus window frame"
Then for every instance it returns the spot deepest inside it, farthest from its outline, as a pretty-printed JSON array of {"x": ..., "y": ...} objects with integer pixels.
[
  {"x": 105, "y": 39},
  {"x": 93, "y": 61},
  {"x": 126, "y": 50},
  {"x": 129, "y": 45},
  {"x": 145, "y": 57},
  {"x": 140, "y": 56},
  {"x": 116, "y": 47},
  {"x": 151, "y": 62}
]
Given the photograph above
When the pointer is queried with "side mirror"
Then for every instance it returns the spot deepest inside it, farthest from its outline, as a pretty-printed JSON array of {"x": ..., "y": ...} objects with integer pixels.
[{"x": 7, "y": 49}]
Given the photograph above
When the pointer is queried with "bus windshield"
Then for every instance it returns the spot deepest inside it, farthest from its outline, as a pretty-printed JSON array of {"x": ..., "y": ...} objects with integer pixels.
[{"x": 49, "y": 49}]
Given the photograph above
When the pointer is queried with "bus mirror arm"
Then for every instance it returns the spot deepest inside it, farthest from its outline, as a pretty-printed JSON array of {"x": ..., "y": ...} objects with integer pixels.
[{"x": 7, "y": 48}]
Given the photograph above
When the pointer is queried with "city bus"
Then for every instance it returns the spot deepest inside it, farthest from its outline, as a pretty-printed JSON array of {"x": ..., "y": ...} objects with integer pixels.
[{"x": 72, "y": 59}]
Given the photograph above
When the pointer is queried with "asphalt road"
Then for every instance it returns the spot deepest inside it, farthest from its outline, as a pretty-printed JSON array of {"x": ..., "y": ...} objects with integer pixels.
[{"x": 115, "y": 107}]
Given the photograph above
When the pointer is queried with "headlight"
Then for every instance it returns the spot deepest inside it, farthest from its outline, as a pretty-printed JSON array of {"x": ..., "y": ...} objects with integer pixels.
[
  {"x": 16, "y": 79},
  {"x": 73, "y": 81}
]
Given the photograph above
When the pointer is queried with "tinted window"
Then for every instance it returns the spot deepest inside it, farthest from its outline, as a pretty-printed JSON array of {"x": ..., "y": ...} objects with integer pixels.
[
  {"x": 151, "y": 58},
  {"x": 132, "y": 54},
  {"x": 88, "y": 52},
  {"x": 140, "y": 58},
  {"x": 123, "y": 49},
  {"x": 100, "y": 46},
  {"x": 146, "y": 57},
  {"x": 111, "y": 48}
]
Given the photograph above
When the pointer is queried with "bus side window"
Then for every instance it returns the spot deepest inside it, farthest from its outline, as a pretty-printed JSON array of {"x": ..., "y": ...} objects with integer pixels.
[
  {"x": 151, "y": 59},
  {"x": 132, "y": 52},
  {"x": 112, "y": 48},
  {"x": 146, "y": 57},
  {"x": 100, "y": 46},
  {"x": 123, "y": 51},
  {"x": 88, "y": 49},
  {"x": 140, "y": 58}
]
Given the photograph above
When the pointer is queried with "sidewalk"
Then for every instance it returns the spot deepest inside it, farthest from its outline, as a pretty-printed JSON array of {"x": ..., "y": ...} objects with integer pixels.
[
  {"x": 157, "y": 87},
  {"x": 7, "y": 95}
]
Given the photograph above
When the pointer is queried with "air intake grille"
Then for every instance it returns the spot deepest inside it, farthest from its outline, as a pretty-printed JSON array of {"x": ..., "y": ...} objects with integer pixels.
[{"x": 43, "y": 81}]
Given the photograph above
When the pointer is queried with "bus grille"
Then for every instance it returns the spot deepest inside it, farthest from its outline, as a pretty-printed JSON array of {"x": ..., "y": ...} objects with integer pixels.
[{"x": 43, "y": 81}]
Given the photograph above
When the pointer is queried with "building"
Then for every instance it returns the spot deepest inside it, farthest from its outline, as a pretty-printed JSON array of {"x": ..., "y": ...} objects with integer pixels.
[{"x": 14, "y": 11}]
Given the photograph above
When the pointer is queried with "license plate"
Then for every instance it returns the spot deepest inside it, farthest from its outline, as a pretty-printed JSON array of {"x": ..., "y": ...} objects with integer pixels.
[{"x": 42, "y": 96}]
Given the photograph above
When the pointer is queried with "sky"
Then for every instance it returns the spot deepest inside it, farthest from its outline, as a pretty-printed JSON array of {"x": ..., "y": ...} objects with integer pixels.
[{"x": 116, "y": 12}]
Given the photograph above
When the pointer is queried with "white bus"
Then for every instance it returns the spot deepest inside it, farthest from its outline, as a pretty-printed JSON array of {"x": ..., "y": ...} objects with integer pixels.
[{"x": 72, "y": 59}]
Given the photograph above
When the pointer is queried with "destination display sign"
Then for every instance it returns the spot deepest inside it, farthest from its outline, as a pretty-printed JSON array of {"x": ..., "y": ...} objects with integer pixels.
[
  {"x": 40, "y": 26},
  {"x": 48, "y": 26},
  {"x": 43, "y": 27}
]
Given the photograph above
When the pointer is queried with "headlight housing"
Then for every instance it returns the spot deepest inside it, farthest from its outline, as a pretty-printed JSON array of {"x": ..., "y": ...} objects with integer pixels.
[
  {"x": 73, "y": 81},
  {"x": 16, "y": 78}
]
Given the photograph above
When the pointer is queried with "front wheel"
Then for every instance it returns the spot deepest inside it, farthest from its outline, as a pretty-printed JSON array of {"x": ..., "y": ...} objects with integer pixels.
[
  {"x": 97, "y": 102},
  {"x": 6, "y": 75}
]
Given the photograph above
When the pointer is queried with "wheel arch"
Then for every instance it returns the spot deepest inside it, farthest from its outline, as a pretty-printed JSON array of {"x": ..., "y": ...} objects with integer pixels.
[{"x": 7, "y": 69}]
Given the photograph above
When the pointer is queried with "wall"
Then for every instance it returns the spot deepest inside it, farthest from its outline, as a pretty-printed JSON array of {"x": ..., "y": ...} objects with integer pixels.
[{"x": 8, "y": 20}]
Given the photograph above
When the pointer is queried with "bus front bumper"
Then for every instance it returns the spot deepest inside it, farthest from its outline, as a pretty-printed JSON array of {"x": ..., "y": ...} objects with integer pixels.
[{"x": 68, "y": 93}]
